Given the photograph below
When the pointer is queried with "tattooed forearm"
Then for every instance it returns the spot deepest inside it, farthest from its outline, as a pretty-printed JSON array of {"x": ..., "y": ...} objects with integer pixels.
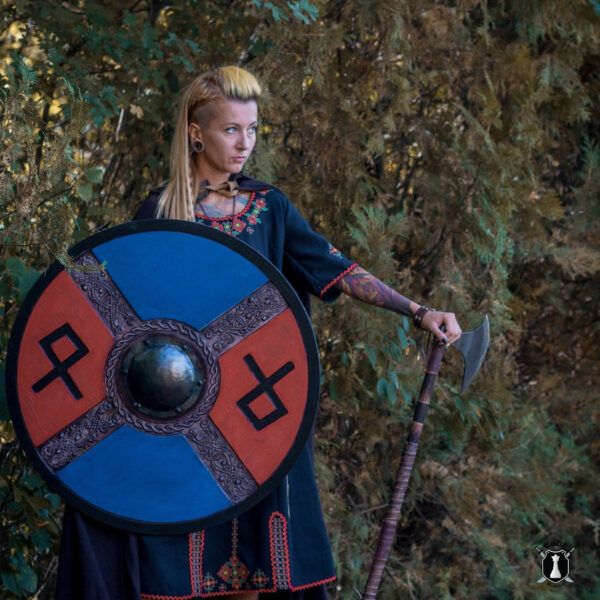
[{"x": 362, "y": 285}]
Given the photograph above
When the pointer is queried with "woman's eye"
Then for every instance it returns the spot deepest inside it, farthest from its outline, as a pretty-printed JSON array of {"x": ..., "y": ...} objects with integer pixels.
[
  {"x": 230, "y": 130},
  {"x": 253, "y": 129}
]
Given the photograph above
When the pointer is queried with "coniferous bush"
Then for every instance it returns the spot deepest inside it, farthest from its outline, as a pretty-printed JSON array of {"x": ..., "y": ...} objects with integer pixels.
[{"x": 451, "y": 148}]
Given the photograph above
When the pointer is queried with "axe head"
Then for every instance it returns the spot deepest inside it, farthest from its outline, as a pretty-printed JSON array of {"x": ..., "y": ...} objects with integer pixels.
[{"x": 473, "y": 345}]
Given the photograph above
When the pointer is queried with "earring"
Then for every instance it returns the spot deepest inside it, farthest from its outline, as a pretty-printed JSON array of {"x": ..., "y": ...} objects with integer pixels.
[{"x": 197, "y": 146}]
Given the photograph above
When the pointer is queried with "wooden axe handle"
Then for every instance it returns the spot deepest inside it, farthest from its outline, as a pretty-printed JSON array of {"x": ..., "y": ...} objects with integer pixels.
[{"x": 409, "y": 453}]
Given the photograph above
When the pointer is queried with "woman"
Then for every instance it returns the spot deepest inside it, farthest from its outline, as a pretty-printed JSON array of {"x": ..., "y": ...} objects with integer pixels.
[{"x": 280, "y": 547}]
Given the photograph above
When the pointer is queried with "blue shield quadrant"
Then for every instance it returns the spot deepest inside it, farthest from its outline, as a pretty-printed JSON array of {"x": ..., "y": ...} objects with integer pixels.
[
  {"x": 166, "y": 275},
  {"x": 152, "y": 478}
]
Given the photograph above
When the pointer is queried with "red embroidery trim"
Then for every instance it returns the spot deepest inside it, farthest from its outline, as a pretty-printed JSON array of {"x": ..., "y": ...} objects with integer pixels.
[
  {"x": 309, "y": 585},
  {"x": 201, "y": 559},
  {"x": 155, "y": 597},
  {"x": 229, "y": 593},
  {"x": 196, "y": 550},
  {"x": 275, "y": 550},
  {"x": 191, "y": 561},
  {"x": 334, "y": 281},
  {"x": 240, "y": 214}
]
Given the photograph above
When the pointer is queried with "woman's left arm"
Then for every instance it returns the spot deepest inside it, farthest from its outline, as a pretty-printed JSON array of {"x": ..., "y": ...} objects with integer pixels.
[{"x": 362, "y": 285}]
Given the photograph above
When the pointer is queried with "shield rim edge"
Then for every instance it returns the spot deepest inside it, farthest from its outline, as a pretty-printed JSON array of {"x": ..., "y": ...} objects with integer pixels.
[{"x": 312, "y": 358}]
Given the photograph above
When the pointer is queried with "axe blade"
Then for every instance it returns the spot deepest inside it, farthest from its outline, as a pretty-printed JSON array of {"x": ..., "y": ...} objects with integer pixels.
[{"x": 473, "y": 345}]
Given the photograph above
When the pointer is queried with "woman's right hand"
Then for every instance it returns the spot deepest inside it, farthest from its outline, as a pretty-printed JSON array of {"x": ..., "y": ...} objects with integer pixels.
[{"x": 433, "y": 320}]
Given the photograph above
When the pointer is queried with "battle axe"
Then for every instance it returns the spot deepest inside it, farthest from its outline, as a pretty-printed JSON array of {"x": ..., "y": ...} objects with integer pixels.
[{"x": 473, "y": 345}]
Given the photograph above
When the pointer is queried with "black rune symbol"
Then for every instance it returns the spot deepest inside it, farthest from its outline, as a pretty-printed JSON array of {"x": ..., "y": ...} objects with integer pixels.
[
  {"x": 265, "y": 386},
  {"x": 61, "y": 368}
]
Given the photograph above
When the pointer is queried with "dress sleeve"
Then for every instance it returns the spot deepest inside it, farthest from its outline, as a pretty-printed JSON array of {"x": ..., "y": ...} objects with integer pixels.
[{"x": 312, "y": 259}]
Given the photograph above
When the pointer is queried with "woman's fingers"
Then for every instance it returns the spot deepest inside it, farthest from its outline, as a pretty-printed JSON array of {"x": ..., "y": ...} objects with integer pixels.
[
  {"x": 433, "y": 321},
  {"x": 439, "y": 334},
  {"x": 453, "y": 330}
]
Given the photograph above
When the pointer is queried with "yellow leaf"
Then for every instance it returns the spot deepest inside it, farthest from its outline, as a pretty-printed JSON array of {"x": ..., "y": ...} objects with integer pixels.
[{"x": 136, "y": 110}]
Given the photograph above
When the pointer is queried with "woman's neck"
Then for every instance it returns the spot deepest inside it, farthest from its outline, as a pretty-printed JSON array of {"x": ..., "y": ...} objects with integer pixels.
[{"x": 203, "y": 172}]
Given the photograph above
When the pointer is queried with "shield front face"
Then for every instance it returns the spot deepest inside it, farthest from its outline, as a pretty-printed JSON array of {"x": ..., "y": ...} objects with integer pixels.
[{"x": 172, "y": 390}]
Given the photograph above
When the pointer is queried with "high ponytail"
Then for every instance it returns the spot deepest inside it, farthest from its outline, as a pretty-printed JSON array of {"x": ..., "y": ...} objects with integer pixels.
[{"x": 225, "y": 83}]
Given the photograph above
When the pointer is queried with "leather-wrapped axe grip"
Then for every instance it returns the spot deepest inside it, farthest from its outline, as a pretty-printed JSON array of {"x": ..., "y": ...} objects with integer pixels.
[
  {"x": 473, "y": 345},
  {"x": 409, "y": 453}
]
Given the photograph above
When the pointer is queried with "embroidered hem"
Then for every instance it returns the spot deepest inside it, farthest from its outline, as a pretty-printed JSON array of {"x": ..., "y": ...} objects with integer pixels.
[
  {"x": 334, "y": 281},
  {"x": 234, "y": 577},
  {"x": 231, "y": 592}
]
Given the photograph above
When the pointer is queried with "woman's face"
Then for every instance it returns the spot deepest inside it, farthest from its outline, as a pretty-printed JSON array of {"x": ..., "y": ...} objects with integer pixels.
[{"x": 228, "y": 138}]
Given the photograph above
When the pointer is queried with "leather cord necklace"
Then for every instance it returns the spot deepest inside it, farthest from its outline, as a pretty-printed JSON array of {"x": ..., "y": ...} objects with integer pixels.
[{"x": 227, "y": 188}]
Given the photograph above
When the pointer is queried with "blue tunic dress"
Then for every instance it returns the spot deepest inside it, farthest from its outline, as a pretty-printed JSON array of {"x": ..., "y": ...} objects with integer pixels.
[{"x": 280, "y": 545}]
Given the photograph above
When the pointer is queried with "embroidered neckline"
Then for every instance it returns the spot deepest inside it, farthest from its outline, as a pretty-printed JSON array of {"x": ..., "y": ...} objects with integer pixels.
[
  {"x": 246, "y": 208},
  {"x": 245, "y": 220}
]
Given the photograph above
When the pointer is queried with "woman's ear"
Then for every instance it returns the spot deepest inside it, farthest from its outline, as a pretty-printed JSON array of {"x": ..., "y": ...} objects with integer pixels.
[{"x": 195, "y": 133}]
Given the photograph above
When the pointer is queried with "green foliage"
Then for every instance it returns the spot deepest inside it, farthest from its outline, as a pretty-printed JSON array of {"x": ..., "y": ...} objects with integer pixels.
[
  {"x": 301, "y": 9},
  {"x": 30, "y": 522},
  {"x": 452, "y": 148}
]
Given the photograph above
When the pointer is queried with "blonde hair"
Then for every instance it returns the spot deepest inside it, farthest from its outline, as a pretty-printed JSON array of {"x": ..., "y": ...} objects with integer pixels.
[{"x": 198, "y": 106}]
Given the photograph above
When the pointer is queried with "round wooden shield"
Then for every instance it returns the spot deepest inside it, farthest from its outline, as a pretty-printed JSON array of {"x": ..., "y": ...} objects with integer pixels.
[{"x": 170, "y": 391}]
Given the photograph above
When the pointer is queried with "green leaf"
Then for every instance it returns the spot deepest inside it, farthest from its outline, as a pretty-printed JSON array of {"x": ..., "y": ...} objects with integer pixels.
[
  {"x": 39, "y": 503},
  {"x": 402, "y": 338},
  {"x": 94, "y": 174},
  {"x": 26, "y": 282},
  {"x": 15, "y": 267},
  {"x": 11, "y": 584},
  {"x": 85, "y": 189},
  {"x": 23, "y": 277},
  {"x": 460, "y": 407},
  {"x": 391, "y": 392},
  {"x": 23, "y": 579},
  {"x": 372, "y": 354},
  {"x": 333, "y": 391},
  {"x": 41, "y": 539},
  {"x": 27, "y": 579},
  {"x": 4, "y": 416},
  {"x": 129, "y": 19},
  {"x": 32, "y": 480},
  {"x": 407, "y": 397},
  {"x": 277, "y": 12},
  {"x": 193, "y": 45},
  {"x": 55, "y": 500},
  {"x": 300, "y": 7}
]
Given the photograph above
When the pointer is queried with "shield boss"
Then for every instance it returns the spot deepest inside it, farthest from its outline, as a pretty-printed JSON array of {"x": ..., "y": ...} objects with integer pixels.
[{"x": 171, "y": 389}]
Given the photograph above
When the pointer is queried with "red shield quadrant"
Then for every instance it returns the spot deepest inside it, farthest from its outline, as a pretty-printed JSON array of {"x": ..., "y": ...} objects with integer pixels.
[
  {"x": 172, "y": 390},
  {"x": 274, "y": 357},
  {"x": 51, "y": 406}
]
